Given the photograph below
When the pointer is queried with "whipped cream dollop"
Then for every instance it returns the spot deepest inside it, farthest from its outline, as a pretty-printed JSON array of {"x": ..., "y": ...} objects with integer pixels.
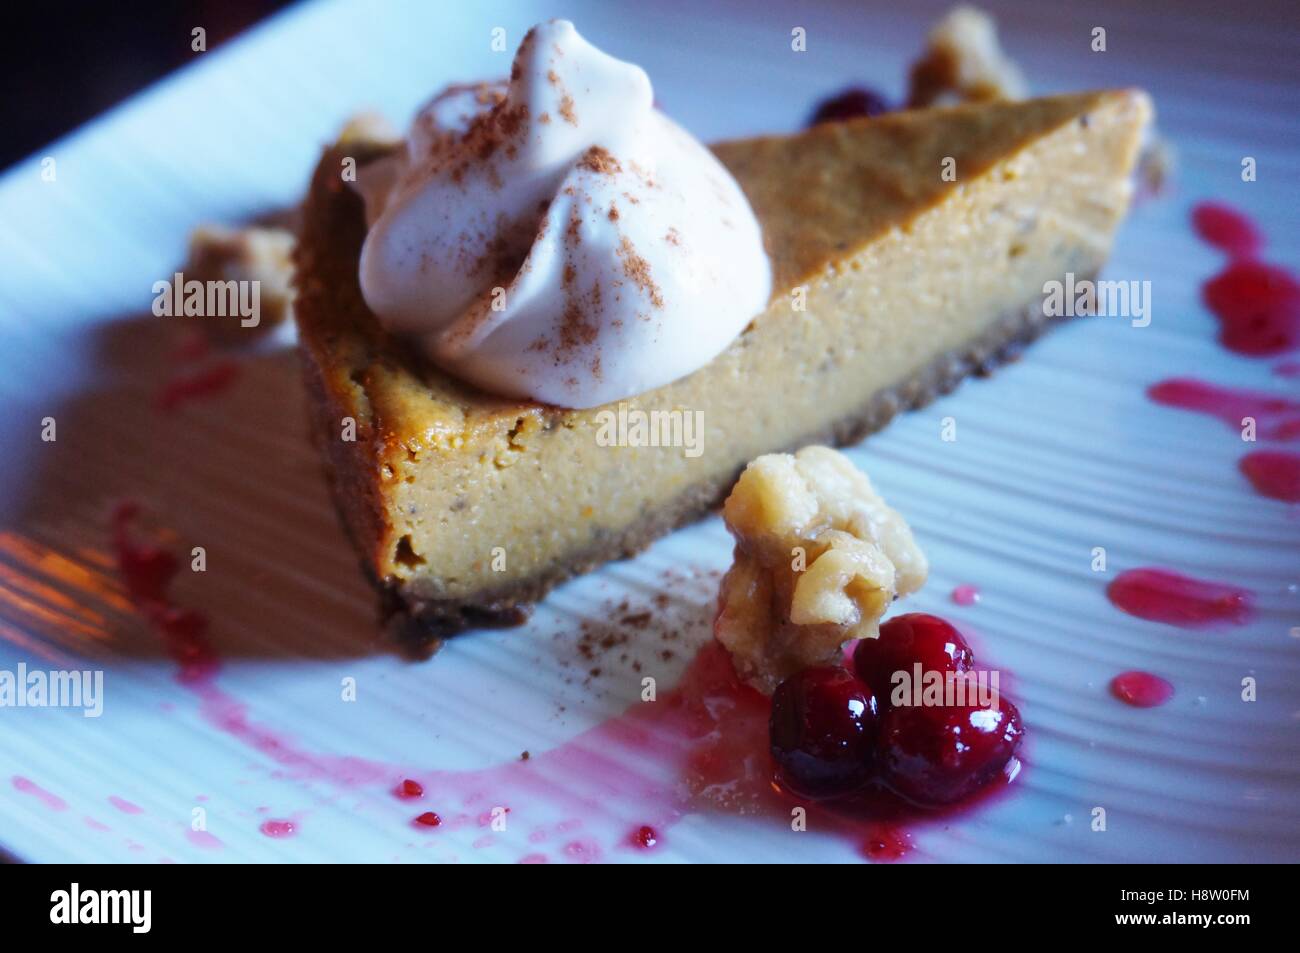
[{"x": 556, "y": 237}]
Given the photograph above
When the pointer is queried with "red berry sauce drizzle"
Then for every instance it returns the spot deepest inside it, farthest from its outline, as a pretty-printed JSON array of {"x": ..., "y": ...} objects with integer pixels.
[
  {"x": 1257, "y": 303},
  {"x": 644, "y": 837},
  {"x": 1161, "y": 595},
  {"x": 1141, "y": 689},
  {"x": 409, "y": 790},
  {"x": 187, "y": 383},
  {"x": 1258, "y": 307},
  {"x": 709, "y": 743},
  {"x": 278, "y": 829},
  {"x": 193, "y": 385},
  {"x": 1276, "y": 418},
  {"x": 1273, "y": 473},
  {"x": 703, "y": 746},
  {"x": 32, "y": 789}
]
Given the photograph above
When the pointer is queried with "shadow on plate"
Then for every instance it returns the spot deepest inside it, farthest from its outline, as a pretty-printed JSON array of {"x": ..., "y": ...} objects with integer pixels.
[{"x": 231, "y": 471}]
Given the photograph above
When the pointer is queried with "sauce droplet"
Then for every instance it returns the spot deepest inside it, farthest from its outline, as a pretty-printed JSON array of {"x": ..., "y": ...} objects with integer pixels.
[
  {"x": 204, "y": 840},
  {"x": 207, "y": 382},
  {"x": 966, "y": 595},
  {"x": 1141, "y": 689},
  {"x": 278, "y": 829},
  {"x": 1258, "y": 307},
  {"x": 884, "y": 843},
  {"x": 52, "y": 801},
  {"x": 409, "y": 790},
  {"x": 1273, "y": 473},
  {"x": 1276, "y": 418},
  {"x": 1227, "y": 229},
  {"x": 1161, "y": 595},
  {"x": 123, "y": 805},
  {"x": 147, "y": 570}
]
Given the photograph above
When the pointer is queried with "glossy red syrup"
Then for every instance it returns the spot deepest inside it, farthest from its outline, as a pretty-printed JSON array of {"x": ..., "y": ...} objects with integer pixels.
[
  {"x": 1141, "y": 689},
  {"x": 51, "y": 801},
  {"x": 1227, "y": 229},
  {"x": 125, "y": 806},
  {"x": 883, "y": 842},
  {"x": 582, "y": 852},
  {"x": 1276, "y": 418},
  {"x": 701, "y": 747},
  {"x": 278, "y": 829},
  {"x": 966, "y": 595},
  {"x": 194, "y": 385},
  {"x": 409, "y": 790},
  {"x": 147, "y": 571},
  {"x": 204, "y": 840},
  {"x": 1161, "y": 595},
  {"x": 645, "y": 837},
  {"x": 1257, "y": 303},
  {"x": 1273, "y": 473},
  {"x": 1258, "y": 307}
]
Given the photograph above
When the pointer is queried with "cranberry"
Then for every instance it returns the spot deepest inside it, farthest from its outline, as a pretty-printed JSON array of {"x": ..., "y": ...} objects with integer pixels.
[
  {"x": 908, "y": 639},
  {"x": 934, "y": 756},
  {"x": 823, "y": 727},
  {"x": 851, "y": 103}
]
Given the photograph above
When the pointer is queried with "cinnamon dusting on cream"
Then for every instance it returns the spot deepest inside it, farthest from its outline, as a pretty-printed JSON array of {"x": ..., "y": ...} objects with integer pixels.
[
  {"x": 599, "y": 160},
  {"x": 495, "y": 240},
  {"x": 637, "y": 270}
]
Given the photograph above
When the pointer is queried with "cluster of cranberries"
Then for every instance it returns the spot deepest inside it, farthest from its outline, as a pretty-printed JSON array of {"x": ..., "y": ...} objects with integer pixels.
[
  {"x": 832, "y": 734},
  {"x": 850, "y": 103}
]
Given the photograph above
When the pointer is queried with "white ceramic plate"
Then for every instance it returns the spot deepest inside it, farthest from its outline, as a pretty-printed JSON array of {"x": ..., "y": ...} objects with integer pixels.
[{"x": 1056, "y": 455}]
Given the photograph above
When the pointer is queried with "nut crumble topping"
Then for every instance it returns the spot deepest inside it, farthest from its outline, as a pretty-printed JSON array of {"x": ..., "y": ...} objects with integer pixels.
[
  {"x": 264, "y": 255},
  {"x": 819, "y": 558},
  {"x": 964, "y": 62}
]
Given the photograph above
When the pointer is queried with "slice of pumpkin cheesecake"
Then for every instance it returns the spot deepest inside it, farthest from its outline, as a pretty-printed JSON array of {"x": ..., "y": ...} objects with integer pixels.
[{"x": 907, "y": 251}]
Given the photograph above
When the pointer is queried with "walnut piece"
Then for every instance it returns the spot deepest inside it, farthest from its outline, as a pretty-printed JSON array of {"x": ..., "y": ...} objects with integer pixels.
[
  {"x": 964, "y": 63},
  {"x": 1156, "y": 165},
  {"x": 370, "y": 127},
  {"x": 819, "y": 558},
  {"x": 254, "y": 253}
]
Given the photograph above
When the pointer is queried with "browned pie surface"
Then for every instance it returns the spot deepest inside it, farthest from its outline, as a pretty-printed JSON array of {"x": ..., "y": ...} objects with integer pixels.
[{"x": 827, "y": 191}]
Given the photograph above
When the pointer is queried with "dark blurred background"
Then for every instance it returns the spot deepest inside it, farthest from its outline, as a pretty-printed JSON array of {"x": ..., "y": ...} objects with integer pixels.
[{"x": 64, "y": 62}]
